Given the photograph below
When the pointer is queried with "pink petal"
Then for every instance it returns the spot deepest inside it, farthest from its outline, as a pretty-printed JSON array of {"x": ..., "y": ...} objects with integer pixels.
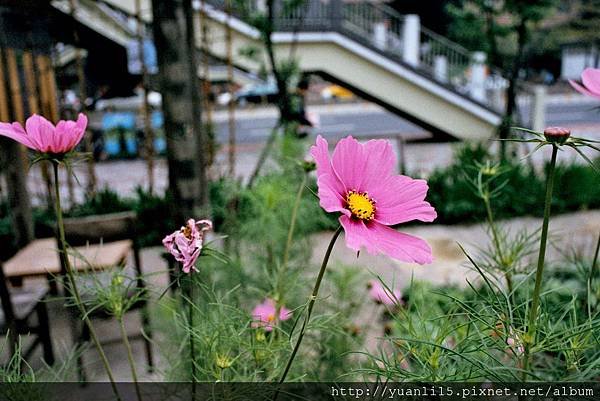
[
  {"x": 331, "y": 190},
  {"x": 401, "y": 199},
  {"x": 401, "y": 246},
  {"x": 80, "y": 127},
  {"x": 360, "y": 166},
  {"x": 378, "y": 238},
  {"x": 384, "y": 295},
  {"x": 349, "y": 162},
  {"x": 69, "y": 133},
  {"x": 262, "y": 311},
  {"x": 64, "y": 136},
  {"x": 380, "y": 162},
  {"x": 9, "y": 131},
  {"x": 357, "y": 235},
  {"x": 329, "y": 198},
  {"x": 581, "y": 89},
  {"x": 320, "y": 152},
  {"x": 42, "y": 132},
  {"x": 284, "y": 313},
  {"x": 590, "y": 77}
]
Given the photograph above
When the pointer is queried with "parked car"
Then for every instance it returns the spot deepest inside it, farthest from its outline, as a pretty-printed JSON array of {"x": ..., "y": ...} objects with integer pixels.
[
  {"x": 336, "y": 92},
  {"x": 257, "y": 93}
]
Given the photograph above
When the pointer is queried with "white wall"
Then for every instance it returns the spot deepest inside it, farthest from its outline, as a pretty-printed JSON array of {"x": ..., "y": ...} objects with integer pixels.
[{"x": 575, "y": 59}]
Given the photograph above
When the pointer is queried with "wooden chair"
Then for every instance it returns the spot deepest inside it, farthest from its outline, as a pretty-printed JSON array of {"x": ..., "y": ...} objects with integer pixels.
[
  {"x": 106, "y": 230},
  {"x": 18, "y": 306}
]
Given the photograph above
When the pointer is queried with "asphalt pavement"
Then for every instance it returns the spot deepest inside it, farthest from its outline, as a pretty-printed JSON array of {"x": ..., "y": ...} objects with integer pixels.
[{"x": 366, "y": 119}]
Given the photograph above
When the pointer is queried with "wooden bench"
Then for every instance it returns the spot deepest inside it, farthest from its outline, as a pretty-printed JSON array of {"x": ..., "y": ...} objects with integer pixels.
[{"x": 41, "y": 258}]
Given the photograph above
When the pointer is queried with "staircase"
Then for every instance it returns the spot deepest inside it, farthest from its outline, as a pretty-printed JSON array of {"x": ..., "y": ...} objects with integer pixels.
[
  {"x": 383, "y": 56},
  {"x": 329, "y": 36}
]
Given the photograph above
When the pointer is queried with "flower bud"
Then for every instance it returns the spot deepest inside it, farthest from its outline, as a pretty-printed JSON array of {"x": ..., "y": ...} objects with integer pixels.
[
  {"x": 223, "y": 361},
  {"x": 557, "y": 135}
]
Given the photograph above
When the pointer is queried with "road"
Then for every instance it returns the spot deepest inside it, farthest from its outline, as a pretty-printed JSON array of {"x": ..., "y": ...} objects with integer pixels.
[
  {"x": 254, "y": 125},
  {"x": 359, "y": 119}
]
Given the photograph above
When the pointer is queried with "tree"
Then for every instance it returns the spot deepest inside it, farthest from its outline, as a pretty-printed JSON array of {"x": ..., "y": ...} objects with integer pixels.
[
  {"x": 505, "y": 30},
  {"x": 177, "y": 61},
  {"x": 586, "y": 26},
  {"x": 147, "y": 126},
  {"x": 87, "y": 141},
  {"x": 285, "y": 71},
  {"x": 230, "y": 87}
]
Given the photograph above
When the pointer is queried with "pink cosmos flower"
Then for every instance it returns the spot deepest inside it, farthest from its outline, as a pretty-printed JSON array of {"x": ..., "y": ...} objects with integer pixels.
[
  {"x": 265, "y": 314},
  {"x": 382, "y": 295},
  {"x": 359, "y": 181},
  {"x": 41, "y": 135},
  {"x": 186, "y": 243},
  {"x": 590, "y": 78}
]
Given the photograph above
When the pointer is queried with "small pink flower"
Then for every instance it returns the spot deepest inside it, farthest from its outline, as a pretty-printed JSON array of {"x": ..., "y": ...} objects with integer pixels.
[
  {"x": 359, "y": 181},
  {"x": 41, "y": 135},
  {"x": 265, "y": 314},
  {"x": 515, "y": 343},
  {"x": 590, "y": 83},
  {"x": 186, "y": 243},
  {"x": 382, "y": 295}
]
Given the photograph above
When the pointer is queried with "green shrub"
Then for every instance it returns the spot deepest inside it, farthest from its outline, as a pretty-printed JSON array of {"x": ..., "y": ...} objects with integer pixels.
[
  {"x": 577, "y": 187},
  {"x": 155, "y": 217},
  {"x": 104, "y": 201}
]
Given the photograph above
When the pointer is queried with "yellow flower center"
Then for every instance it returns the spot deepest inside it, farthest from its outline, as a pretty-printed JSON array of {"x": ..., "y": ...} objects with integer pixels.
[
  {"x": 187, "y": 232},
  {"x": 361, "y": 206},
  {"x": 270, "y": 317}
]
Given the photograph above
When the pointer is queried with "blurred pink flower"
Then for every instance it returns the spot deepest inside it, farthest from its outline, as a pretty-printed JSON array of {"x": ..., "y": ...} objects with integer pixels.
[
  {"x": 590, "y": 78},
  {"x": 186, "y": 243},
  {"x": 382, "y": 295},
  {"x": 265, "y": 314},
  {"x": 359, "y": 181},
  {"x": 41, "y": 135}
]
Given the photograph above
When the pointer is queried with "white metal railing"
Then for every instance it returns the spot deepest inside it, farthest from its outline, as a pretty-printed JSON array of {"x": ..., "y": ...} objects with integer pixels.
[
  {"x": 375, "y": 23},
  {"x": 443, "y": 60},
  {"x": 434, "y": 46}
]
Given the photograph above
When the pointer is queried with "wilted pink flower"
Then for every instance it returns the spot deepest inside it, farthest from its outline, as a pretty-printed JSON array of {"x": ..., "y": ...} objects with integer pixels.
[
  {"x": 382, "y": 295},
  {"x": 266, "y": 314},
  {"x": 41, "y": 135},
  {"x": 359, "y": 182},
  {"x": 186, "y": 243},
  {"x": 590, "y": 78}
]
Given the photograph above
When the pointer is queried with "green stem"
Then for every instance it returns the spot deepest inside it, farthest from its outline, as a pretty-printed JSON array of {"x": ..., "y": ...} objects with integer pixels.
[
  {"x": 63, "y": 249},
  {"x": 130, "y": 358},
  {"x": 591, "y": 276},
  {"x": 191, "y": 334},
  {"x": 595, "y": 260},
  {"x": 533, "y": 312},
  {"x": 290, "y": 236},
  {"x": 496, "y": 239},
  {"x": 311, "y": 304}
]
